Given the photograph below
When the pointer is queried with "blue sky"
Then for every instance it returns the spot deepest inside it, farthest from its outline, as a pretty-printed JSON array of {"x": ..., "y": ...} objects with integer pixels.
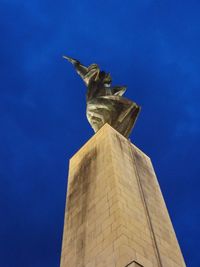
[{"x": 149, "y": 45}]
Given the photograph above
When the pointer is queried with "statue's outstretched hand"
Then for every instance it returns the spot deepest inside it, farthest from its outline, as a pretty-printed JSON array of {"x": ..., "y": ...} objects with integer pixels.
[
  {"x": 72, "y": 60},
  {"x": 81, "y": 69}
]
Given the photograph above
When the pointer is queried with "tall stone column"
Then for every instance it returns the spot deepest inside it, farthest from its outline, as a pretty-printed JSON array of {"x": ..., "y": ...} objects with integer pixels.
[{"x": 115, "y": 213}]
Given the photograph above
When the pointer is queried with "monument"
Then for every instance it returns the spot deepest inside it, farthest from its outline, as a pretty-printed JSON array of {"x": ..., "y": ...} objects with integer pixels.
[
  {"x": 105, "y": 103},
  {"x": 115, "y": 213}
]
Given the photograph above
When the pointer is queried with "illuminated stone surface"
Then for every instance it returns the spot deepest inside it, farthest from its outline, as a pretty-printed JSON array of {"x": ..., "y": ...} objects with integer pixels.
[{"x": 115, "y": 213}]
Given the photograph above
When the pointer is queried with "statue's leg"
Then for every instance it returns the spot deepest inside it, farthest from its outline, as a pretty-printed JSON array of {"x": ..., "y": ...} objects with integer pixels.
[
  {"x": 124, "y": 114},
  {"x": 119, "y": 112},
  {"x": 99, "y": 112}
]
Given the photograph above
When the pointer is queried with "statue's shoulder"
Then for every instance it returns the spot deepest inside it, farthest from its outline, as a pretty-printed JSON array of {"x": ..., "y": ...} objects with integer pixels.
[{"x": 118, "y": 90}]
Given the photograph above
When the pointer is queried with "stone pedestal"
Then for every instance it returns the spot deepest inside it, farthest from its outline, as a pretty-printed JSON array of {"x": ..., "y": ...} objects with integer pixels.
[{"x": 115, "y": 213}]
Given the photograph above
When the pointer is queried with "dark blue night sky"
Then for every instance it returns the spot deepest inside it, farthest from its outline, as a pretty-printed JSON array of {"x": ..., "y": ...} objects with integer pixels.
[{"x": 151, "y": 46}]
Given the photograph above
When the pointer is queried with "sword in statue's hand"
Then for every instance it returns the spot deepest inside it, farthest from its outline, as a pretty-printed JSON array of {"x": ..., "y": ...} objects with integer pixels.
[
  {"x": 81, "y": 69},
  {"x": 72, "y": 60}
]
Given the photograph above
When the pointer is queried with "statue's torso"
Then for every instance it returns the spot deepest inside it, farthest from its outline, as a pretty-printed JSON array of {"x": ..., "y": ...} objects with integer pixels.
[{"x": 96, "y": 89}]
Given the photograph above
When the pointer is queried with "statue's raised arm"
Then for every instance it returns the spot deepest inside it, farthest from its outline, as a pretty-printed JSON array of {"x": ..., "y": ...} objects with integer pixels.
[
  {"x": 105, "y": 103},
  {"x": 86, "y": 73},
  {"x": 81, "y": 69}
]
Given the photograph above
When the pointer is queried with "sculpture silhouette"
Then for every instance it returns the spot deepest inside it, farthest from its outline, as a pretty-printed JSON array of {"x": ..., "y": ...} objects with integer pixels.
[{"x": 105, "y": 103}]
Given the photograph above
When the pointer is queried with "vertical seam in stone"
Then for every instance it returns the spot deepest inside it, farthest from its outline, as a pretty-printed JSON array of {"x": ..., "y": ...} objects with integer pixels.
[
  {"x": 167, "y": 213},
  {"x": 111, "y": 159},
  {"x": 146, "y": 209}
]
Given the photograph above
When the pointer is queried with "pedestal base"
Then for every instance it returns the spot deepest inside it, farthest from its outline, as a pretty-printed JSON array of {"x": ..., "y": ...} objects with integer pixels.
[{"x": 115, "y": 214}]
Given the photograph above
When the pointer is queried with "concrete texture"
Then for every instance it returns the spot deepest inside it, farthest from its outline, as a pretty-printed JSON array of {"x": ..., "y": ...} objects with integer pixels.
[{"x": 115, "y": 213}]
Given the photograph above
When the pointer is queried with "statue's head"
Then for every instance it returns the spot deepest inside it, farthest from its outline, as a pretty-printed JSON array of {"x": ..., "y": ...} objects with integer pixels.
[
  {"x": 92, "y": 73},
  {"x": 93, "y": 67},
  {"x": 95, "y": 73},
  {"x": 105, "y": 78}
]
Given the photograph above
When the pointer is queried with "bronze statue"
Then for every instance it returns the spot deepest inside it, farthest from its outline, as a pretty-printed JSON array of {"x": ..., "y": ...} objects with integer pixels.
[{"x": 105, "y": 103}]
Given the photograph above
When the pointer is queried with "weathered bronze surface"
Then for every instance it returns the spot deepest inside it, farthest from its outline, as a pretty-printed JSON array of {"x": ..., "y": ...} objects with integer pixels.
[{"x": 105, "y": 103}]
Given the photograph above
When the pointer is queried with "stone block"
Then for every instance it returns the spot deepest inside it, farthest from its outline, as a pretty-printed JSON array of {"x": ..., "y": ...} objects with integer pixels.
[{"x": 115, "y": 213}]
